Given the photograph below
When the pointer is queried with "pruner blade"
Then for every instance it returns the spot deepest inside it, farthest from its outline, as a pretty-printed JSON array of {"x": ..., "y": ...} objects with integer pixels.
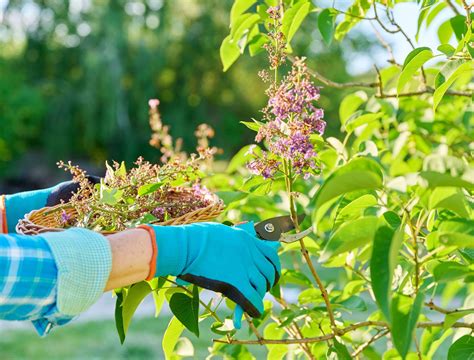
[{"x": 275, "y": 229}]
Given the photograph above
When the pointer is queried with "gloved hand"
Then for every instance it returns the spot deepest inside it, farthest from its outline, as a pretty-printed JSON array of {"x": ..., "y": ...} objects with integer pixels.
[
  {"x": 229, "y": 260},
  {"x": 17, "y": 205}
]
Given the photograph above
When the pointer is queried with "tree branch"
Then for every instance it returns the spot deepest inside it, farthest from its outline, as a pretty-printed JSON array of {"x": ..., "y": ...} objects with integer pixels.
[
  {"x": 341, "y": 332},
  {"x": 434, "y": 307},
  {"x": 375, "y": 85}
]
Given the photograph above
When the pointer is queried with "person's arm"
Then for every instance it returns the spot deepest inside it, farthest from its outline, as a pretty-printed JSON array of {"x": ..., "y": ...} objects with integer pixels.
[{"x": 132, "y": 253}]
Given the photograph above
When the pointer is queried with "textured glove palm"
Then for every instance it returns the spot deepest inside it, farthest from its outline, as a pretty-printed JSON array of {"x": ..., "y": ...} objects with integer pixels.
[{"x": 229, "y": 260}]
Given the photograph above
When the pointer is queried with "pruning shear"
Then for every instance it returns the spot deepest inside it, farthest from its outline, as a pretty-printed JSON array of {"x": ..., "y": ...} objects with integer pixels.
[{"x": 275, "y": 229}]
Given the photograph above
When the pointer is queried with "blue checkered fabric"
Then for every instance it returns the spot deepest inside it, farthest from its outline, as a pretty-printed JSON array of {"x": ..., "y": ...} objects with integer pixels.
[
  {"x": 28, "y": 277},
  {"x": 50, "y": 279}
]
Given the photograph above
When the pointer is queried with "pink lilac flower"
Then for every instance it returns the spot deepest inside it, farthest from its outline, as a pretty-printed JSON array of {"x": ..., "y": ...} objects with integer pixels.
[{"x": 291, "y": 117}]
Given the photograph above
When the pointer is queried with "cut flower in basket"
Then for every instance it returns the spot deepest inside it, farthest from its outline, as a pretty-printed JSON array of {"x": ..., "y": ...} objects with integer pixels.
[
  {"x": 147, "y": 193},
  {"x": 169, "y": 193}
]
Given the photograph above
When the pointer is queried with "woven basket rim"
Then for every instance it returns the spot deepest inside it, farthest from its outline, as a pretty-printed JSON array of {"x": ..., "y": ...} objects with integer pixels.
[{"x": 211, "y": 211}]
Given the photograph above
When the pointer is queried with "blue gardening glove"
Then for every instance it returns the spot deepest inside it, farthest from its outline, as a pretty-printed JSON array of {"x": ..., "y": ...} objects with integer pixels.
[
  {"x": 249, "y": 227},
  {"x": 17, "y": 205},
  {"x": 229, "y": 260}
]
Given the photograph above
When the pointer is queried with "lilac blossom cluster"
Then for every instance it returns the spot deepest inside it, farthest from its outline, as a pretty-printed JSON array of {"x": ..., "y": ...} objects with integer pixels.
[{"x": 290, "y": 118}]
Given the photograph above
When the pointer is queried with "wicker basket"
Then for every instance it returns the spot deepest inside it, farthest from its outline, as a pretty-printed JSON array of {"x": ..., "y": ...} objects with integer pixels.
[{"x": 46, "y": 219}]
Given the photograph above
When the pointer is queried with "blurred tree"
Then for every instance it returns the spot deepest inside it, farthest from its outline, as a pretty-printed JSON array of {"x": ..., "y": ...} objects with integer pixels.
[{"x": 88, "y": 68}]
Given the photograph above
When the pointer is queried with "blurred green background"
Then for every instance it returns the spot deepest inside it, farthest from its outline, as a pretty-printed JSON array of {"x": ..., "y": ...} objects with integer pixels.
[{"x": 76, "y": 76}]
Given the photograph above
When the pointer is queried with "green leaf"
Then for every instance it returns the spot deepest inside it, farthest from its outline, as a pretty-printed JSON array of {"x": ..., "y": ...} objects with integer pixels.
[
  {"x": 431, "y": 339},
  {"x": 294, "y": 277},
  {"x": 352, "y": 304},
  {"x": 350, "y": 104},
  {"x": 350, "y": 235},
  {"x": 458, "y": 23},
  {"x": 171, "y": 336},
  {"x": 404, "y": 313},
  {"x": 458, "y": 232},
  {"x": 252, "y": 125},
  {"x": 256, "y": 44},
  {"x": 119, "y": 317},
  {"x": 241, "y": 158},
  {"x": 437, "y": 179},
  {"x": 449, "y": 198},
  {"x": 243, "y": 24},
  {"x": 110, "y": 196},
  {"x": 186, "y": 309},
  {"x": 121, "y": 171},
  {"x": 229, "y": 52},
  {"x": 462, "y": 348},
  {"x": 385, "y": 250},
  {"x": 447, "y": 49},
  {"x": 149, "y": 188},
  {"x": 356, "y": 11},
  {"x": 135, "y": 296},
  {"x": 466, "y": 67},
  {"x": 355, "y": 209},
  {"x": 360, "y": 118},
  {"x": 449, "y": 271},
  {"x": 360, "y": 173},
  {"x": 293, "y": 18},
  {"x": 309, "y": 296},
  {"x": 445, "y": 31},
  {"x": 223, "y": 328},
  {"x": 451, "y": 318},
  {"x": 413, "y": 62},
  {"x": 434, "y": 12},
  {"x": 158, "y": 296},
  {"x": 238, "y": 8},
  {"x": 446, "y": 70},
  {"x": 231, "y": 196},
  {"x": 341, "y": 351},
  {"x": 257, "y": 185},
  {"x": 326, "y": 21}
]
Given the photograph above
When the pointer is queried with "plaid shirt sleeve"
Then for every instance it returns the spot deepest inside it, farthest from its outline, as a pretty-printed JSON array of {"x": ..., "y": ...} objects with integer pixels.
[
  {"x": 28, "y": 277},
  {"x": 50, "y": 279}
]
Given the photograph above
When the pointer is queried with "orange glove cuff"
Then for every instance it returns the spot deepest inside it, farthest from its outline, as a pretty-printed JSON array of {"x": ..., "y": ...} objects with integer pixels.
[
  {"x": 3, "y": 216},
  {"x": 154, "y": 255}
]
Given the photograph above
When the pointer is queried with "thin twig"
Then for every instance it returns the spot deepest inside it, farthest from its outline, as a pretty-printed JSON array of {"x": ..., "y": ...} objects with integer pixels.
[
  {"x": 418, "y": 352},
  {"x": 454, "y": 8},
  {"x": 373, "y": 339},
  {"x": 252, "y": 327},
  {"x": 430, "y": 304},
  {"x": 353, "y": 15},
  {"x": 385, "y": 44},
  {"x": 334, "y": 84},
  {"x": 374, "y": 85}
]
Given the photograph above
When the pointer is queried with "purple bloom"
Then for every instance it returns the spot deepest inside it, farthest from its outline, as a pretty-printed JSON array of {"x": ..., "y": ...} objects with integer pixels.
[
  {"x": 291, "y": 117},
  {"x": 65, "y": 217},
  {"x": 159, "y": 213}
]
